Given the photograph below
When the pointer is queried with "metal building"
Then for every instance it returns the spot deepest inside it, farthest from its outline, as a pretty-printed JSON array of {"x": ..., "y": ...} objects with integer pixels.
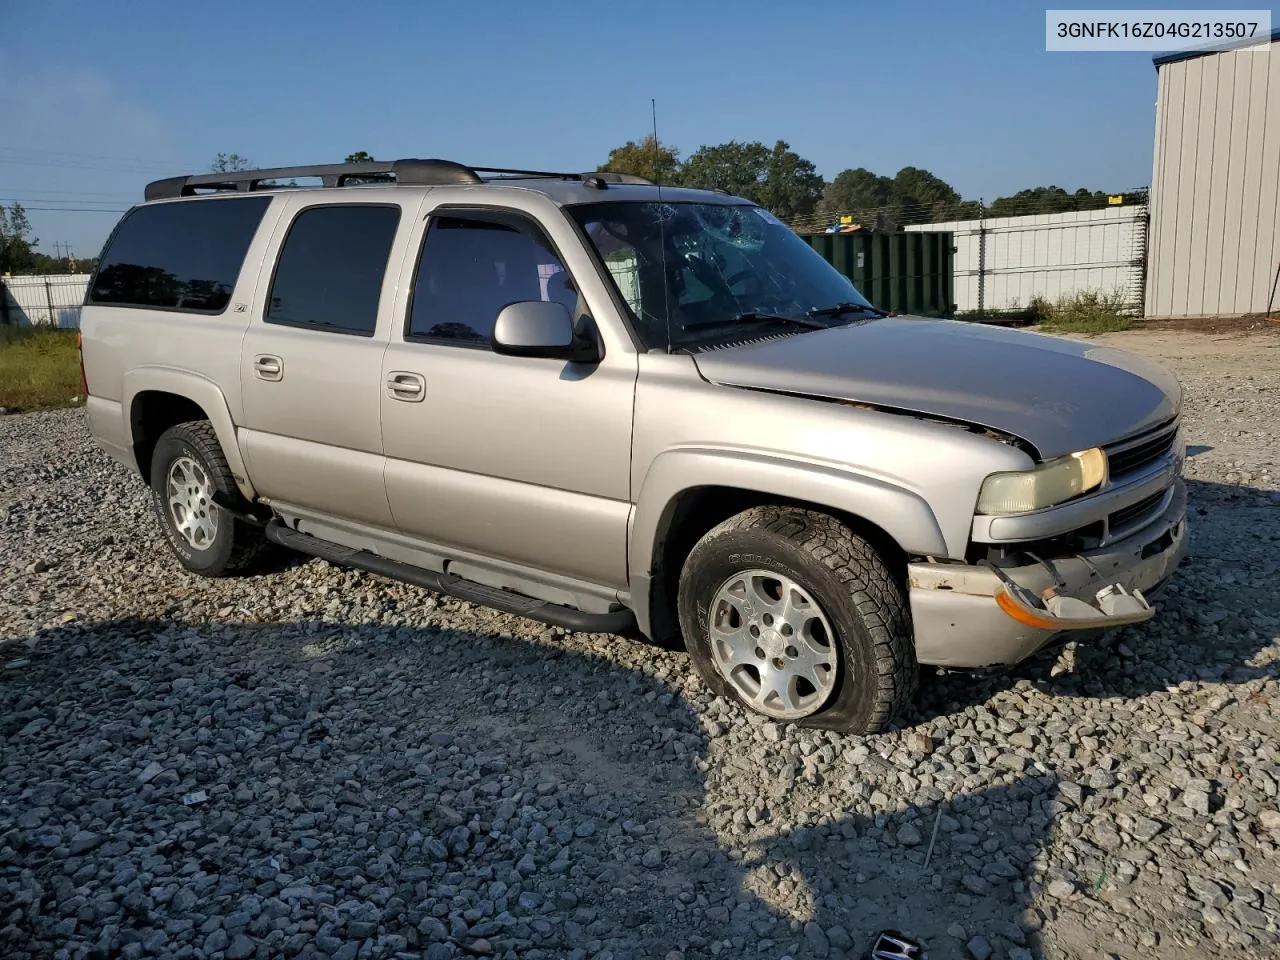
[{"x": 1214, "y": 237}]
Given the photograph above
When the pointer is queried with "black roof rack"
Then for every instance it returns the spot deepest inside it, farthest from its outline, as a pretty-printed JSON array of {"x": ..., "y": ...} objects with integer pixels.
[{"x": 402, "y": 172}]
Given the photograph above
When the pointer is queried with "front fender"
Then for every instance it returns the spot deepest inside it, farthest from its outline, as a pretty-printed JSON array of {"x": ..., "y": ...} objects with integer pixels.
[
  {"x": 903, "y": 515},
  {"x": 199, "y": 390}
]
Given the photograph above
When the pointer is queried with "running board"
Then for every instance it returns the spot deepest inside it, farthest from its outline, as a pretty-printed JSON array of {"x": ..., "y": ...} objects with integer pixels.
[{"x": 617, "y": 621}]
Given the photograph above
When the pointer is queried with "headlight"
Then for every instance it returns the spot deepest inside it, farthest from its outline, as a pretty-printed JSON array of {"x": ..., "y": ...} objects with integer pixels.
[{"x": 1050, "y": 484}]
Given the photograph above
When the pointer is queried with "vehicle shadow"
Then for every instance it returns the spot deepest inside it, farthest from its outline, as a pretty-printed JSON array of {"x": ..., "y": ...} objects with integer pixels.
[
  {"x": 330, "y": 789},
  {"x": 1216, "y": 616}
]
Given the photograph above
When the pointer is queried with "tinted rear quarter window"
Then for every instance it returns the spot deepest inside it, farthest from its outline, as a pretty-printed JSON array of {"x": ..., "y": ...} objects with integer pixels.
[
  {"x": 331, "y": 266},
  {"x": 185, "y": 255}
]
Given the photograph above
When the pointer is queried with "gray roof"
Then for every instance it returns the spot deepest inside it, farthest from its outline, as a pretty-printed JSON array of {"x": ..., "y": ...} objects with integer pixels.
[{"x": 1161, "y": 59}]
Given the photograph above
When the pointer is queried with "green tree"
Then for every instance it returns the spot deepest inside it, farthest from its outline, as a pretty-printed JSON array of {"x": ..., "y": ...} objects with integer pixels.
[
  {"x": 43, "y": 263},
  {"x": 648, "y": 158},
  {"x": 234, "y": 163},
  {"x": 776, "y": 178},
  {"x": 921, "y": 197},
  {"x": 1050, "y": 199},
  {"x": 792, "y": 185},
  {"x": 739, "y": 168},
  {"x": 858, "y": 192},
  {"x": 363, "y": 156},
  {"x": 229, "y": 163},
  {"x": 16, "y": 242},
  {"x": 912, "y": 195}
]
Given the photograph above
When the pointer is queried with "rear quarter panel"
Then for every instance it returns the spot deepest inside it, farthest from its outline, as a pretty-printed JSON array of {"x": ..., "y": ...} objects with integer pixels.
[{"x": 118, "y": 340}]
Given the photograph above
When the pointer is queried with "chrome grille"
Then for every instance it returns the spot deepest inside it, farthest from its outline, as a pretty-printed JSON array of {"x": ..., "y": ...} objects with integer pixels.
[{"x": 1132, "y": 455}]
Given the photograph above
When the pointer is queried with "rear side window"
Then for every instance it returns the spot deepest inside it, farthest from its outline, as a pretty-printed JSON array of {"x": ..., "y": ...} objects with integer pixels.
[
  {"x": 331, "y": 266},
  {"x": 179, "y": 256}
]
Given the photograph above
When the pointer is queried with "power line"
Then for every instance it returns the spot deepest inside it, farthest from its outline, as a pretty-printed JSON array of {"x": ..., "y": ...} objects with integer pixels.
[
  {"x": 86, "y": 156},
  {"x": 100, "y": 167},
  {"x": 113, "y": 194},
  {"x": 111, "y": 164},
  {"x": 77, "y": 209},
  {"x": 909, "y": 213},
  {"x": 948, "y": 210},
  {"x": 66, "y": 200}
]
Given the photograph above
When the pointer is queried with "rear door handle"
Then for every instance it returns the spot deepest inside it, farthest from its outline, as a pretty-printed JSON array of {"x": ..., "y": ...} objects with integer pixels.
[
  {"x": 267, "y": 367},
  {"x": 406, "y": 386}
]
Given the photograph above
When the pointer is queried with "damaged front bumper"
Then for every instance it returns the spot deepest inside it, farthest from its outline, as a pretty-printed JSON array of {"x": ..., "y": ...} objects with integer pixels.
[{"x": 976, "y": 616}]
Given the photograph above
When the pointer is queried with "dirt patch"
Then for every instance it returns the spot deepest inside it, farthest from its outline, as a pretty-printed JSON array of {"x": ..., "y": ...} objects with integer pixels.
[{"x": 1250, "y": 323}]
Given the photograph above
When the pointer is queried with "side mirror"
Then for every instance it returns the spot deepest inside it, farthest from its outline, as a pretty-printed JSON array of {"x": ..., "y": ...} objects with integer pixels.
[{"x": 540, "y": 328}]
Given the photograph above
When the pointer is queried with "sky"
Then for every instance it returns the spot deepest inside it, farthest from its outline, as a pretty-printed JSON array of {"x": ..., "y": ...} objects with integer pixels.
[{"x": 96, "y": 99}]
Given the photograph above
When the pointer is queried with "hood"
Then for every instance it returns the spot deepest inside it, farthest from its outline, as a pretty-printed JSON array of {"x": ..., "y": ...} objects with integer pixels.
[{"x": 1058, "y": 395}]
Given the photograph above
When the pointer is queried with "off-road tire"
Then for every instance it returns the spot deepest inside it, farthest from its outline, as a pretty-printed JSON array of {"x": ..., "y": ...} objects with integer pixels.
[
  {"x": 237, "y": 544},
  {"x": 865, "y": 604}
]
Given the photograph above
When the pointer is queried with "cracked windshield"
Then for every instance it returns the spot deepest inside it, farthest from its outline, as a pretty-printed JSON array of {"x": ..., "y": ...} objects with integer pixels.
[{"x": 694, "y": 273}]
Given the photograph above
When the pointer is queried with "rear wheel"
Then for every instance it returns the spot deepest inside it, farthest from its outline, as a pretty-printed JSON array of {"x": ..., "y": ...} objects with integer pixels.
[
  {"x": 798, "y": 618},
  {"x": 188, "y": 474}
]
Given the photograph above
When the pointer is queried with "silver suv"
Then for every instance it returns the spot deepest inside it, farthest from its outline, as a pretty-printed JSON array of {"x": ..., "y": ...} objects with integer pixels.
[{"x": 610, "y": 406}]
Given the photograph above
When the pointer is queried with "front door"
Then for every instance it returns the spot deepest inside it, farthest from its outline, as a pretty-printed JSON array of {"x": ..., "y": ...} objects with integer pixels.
[
  {"x": 311, "y": 361},
  {"x": 518, "y": 459}
]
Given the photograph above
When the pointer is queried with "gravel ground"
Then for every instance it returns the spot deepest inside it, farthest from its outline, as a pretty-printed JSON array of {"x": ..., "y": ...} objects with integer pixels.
[{"x": 319, "y": 763}]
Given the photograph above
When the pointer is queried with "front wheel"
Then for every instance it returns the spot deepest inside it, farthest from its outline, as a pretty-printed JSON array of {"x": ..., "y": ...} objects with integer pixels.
[
  {"x": 188, "y": 470},
  {"x": 798, "y": 618}
]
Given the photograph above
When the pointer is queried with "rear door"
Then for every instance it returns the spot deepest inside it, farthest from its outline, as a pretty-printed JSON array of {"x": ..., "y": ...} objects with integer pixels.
[
  {"x": 311, "y": 361},
  {"x": 169, "y": 298}
]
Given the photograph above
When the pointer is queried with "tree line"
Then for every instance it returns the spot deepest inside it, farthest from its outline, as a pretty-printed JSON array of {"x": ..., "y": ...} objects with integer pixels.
[
  {"x": 776, "y": 177},
  {"x": 788, "y": 185},
  {"x": 18, "y": 253},
  {"x": 782, "y": 181}
]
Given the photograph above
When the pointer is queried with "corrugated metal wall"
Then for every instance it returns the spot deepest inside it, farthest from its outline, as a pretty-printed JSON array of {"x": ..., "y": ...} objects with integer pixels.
[
  {"x": 899, "y": 272},
  {"x": 1048, "y": 255},
  {"x": 1215, "y": 187}
]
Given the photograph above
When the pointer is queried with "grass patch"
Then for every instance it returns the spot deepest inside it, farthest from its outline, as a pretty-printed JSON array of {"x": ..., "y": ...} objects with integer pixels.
[
  {"x": 1087, "y": 311},
  {"x": 39, "y": 368},
  {"x": 1013, "y": 316}
]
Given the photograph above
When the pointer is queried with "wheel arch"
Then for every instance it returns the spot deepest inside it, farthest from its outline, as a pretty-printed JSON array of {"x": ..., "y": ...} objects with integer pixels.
[
  {"x": 157, "y": 398},
  {"x": 687, "y": 493}
]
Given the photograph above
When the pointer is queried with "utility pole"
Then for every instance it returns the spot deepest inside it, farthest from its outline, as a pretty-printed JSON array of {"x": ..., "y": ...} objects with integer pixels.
[{"x": 63, "y": 250}]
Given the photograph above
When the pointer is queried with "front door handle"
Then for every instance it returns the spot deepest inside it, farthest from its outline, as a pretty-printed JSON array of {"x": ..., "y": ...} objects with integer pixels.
[
  {"x": 406, "y": 386},
  {"x": 267, "y": 367}
]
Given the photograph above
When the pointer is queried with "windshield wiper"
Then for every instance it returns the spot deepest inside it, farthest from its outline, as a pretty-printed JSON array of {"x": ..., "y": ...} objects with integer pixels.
[
  {"x": 837, "y": 309},
  {"x": 752, "y": 316}
]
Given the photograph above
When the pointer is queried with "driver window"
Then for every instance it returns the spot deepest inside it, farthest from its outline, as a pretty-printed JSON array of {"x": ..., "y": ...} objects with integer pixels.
[{"x": 471, "y": 268}]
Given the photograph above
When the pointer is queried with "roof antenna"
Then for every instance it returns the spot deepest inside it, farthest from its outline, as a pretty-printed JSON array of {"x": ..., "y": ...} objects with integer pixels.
[{"x": 662, "y": 221}]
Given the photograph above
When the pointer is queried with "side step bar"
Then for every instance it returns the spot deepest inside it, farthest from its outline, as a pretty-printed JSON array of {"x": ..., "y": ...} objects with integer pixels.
[{"x": 617, "y": 621}]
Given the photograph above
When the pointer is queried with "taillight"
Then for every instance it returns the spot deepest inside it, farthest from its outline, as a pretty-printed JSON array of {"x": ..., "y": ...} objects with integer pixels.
[{"x": 84, "y": 383}]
